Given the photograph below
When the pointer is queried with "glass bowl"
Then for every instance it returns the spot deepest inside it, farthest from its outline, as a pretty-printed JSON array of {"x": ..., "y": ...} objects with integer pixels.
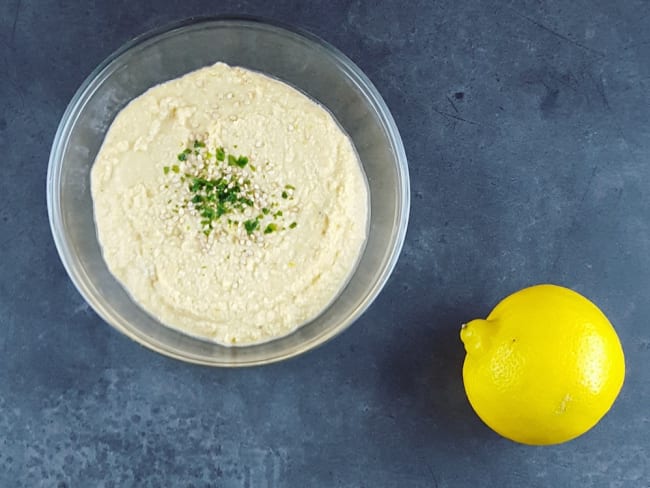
[{"x": 289, "y": 54}]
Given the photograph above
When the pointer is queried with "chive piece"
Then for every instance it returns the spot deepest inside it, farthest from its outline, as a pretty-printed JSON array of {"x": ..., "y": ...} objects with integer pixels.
[
  {"x": 221, "y": 209},
  {"x": 285, "y": 195},
  {"x": 253, "y": 168},
  {"x": 166, "y": 169},
  {"x": 232, "y": 160},
  {"x": 293, "y": 225},
  {"x": 277, "y": 214},
  {"x": 290, "y": 187},
  {"x": 199, "y": 144},
  {"x": 251, "y": 226},
  {"x": 265, "y": 211},
  {"x": 182, "y": 156},
  {"x": 241, "y": 161},
  {"x": 221, "y": 154},
  {"x": 270, "y": 228},
  {"x": 175, "y": 168}
]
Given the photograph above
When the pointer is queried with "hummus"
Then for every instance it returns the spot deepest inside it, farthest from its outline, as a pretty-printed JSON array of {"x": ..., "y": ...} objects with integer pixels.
[{"x": 229, "y": 205}]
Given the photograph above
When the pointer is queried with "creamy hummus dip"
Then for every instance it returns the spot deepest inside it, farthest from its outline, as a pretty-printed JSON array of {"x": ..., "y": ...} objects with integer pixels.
[{"x": 229, "y": 205}]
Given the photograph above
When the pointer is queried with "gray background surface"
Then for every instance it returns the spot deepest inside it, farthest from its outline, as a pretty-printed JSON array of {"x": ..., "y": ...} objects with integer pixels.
[{"x": 527, "y": 126}]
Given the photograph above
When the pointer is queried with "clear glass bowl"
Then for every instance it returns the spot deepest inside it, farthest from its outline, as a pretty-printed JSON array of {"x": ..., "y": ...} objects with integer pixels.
[{"x": 288, "y": 54}]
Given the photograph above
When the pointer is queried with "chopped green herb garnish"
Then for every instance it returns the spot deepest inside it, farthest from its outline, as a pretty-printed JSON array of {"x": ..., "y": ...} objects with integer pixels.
[
  {"x": 293, "y": 225},
  {"x": 212, "y": 192},
  {"x": 208, "y": 213},
  {"x": 270, "y": 228},
  {"x": 251, "y": 226}
]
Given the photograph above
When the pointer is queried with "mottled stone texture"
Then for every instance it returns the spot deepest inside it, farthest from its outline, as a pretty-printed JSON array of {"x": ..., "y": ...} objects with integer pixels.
[{"x": 527, "y": 126}]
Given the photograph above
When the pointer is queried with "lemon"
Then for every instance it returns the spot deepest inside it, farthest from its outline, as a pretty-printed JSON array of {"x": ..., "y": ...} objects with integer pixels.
[{"x": 544, "y": 367}]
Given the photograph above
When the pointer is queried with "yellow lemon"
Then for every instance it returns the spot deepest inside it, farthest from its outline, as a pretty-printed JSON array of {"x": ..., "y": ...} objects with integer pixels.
[{"x": 544, "y": 367}]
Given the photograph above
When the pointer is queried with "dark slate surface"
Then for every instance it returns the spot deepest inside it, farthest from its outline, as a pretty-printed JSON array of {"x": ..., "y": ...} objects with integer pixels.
[{"x": 527, "y": 126}]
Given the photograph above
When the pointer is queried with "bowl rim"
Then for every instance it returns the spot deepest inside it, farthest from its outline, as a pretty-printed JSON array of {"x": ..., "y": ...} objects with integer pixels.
[{"x": 351, "y": 70}]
